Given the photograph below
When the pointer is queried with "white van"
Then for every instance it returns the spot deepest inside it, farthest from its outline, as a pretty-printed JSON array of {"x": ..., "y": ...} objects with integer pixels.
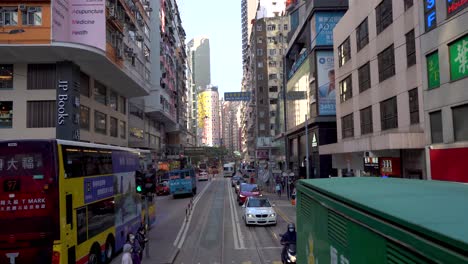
[{"x": 229, "y": 169}]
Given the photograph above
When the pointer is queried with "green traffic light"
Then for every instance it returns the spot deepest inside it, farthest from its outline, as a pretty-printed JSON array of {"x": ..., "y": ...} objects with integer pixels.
[{"x": 139, "y": 188}]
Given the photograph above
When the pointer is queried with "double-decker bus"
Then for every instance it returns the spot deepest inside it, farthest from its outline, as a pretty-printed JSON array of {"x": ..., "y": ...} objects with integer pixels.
[
  {"x": 182, "y": 182},
  {"x": 65, "y": 201}
]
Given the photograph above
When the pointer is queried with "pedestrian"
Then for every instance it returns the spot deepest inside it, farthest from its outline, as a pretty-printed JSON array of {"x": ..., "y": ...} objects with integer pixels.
[
  {"x": 278, "y": 189},
  {"x": 141, "y": 239},
  {"x": 136, "y": 248},
  {"x": 127, "y": 254}
]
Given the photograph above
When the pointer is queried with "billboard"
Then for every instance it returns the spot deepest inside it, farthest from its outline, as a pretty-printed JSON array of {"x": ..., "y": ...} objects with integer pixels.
[
  {"x": 322, "y": 27},
  {"x": 80, "y": 21},
  {"x": 326, "y": 83},
  {"x": 237, "y": 96}
]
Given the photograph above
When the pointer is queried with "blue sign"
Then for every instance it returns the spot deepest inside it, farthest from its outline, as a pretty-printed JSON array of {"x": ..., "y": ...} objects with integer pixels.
[
  {"x": 237, "y": 96},
  {"x": 430, "y": 14},
  {"x": 98, "y": 188},
  {"x": 325, "y": 22}
]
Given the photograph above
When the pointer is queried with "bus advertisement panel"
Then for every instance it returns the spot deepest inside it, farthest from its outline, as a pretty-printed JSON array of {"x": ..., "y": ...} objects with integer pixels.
[{"x": 78, "y": 200}]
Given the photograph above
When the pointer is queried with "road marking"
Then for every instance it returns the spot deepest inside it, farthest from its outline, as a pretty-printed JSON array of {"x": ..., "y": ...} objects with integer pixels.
[
  {"x": 235, "y": 218},
  {"x": 234, "y": 232},
  {"x": 179, "y": 241},
  {"x": 285, "y": 218}
]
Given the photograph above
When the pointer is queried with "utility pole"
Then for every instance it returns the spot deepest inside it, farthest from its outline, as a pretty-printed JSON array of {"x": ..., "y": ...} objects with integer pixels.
[{"x": 307, "y": 146}]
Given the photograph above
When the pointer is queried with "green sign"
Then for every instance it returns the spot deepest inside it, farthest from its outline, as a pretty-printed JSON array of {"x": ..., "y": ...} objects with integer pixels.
[
  {"x": 433, "y": 76},
  {"x": 459, "y": 58}
]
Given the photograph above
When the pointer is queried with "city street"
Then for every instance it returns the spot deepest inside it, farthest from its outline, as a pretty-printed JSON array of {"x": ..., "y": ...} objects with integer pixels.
[{"x": 214, "y": 232}]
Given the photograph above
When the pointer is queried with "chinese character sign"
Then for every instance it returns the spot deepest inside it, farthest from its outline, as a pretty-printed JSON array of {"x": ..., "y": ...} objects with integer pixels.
[
  {"x": 21, "y": 164},
  {"x": 430, "y": 19},
  {"x": 98, "y": 188},
  {"x": 459, "y": 58},
  {"x": 433, "y": 77}
]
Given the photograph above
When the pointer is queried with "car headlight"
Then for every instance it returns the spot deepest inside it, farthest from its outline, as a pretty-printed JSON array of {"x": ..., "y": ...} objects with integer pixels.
[
  {"x": 250, "y": 216},
  {"x": 272, "y": 215},
  {"x": 241, "y": 196},
  {"x": 292, "y": 258}
]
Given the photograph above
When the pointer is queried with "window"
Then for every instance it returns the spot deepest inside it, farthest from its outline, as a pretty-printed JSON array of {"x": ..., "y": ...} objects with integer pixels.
[
  {"x": 386, "y": 62},
  {"x": 84, "y": 84},
  {"x": 273, "y": 76},
  {"x": 9, "y": 16},
  {"x": 347, "y": 126},
  {"x": 262, "y": 127},
  {"x": 259, "y": 52},
  {"x": 122, "y": 105},
  {"x": 261, "y": 114},
  {"x": 100, "y": 217},
  {"x": 41, "y": 114},
  {"x": 344, "y": 52},
  {"x": 259, "y": 40},
  {"x": 260, "y": 89},
  {"x": 273, "y": 101},
  {"x": 100, "y": 93},
  {"x": 100, "y": 122},
  {"x": 273, "y": 89},
  {"x": 413, "y": 106},
  {"x": 260, "y": 77},
  {"x": 364, "y": 77},
  {"x": 84, "y": 117},
  {"x": 113, "y": 100},
  {"x": 41, "y": 76},
  {"x": 460, "y": 126},
  {"x": 362, "y": 35},
  {"x": 6, "y": 114},
  {"x": 272, "y": 113},
  {"x": 113, "y": 127},
  {"x": 260, "y": 64},
  {"x": 272, "y": 52},
  {"x": 259, "y": 27},
  {"x": 437, "y": 135},
  {"x": 408, "y": 4},
  {"x": 272, "y": 63},
  {"x": 122, "y": 129},
  {"x": 366, "y": 120},
  {"x": 32, "y": 16},
  {"x": 389, "y": 113},
  {"x": 6, "y": 76},
  {"x": 410, "y": 48},
  {"x": 383, "y": 15},
  {"x": 271, "y": 27},
  {"x": 285, "y": 26},
  {"x": 346, "y": 89},
  {"x": 433, "y": 78}
]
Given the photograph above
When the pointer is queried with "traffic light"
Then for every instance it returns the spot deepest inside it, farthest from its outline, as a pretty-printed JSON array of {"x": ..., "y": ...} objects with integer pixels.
[
  {"x": 150, "y": 183},
  {"x": 139, "y": 182}
]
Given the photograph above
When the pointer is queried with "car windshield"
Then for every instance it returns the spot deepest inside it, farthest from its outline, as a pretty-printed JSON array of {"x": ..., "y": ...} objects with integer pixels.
[
  {"x": 259, "y": 203},
  {"x": 249, "y": 188}
]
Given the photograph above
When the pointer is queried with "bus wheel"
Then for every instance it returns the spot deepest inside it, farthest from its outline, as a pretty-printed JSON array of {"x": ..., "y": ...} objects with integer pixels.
[
  {"x": 94, "y": 255},
  {"x": 110, "y": 249},
  {"x": 194, "y": 191}
]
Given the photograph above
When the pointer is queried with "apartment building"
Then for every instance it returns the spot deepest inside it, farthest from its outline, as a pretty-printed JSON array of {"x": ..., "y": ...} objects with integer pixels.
[
  {"x": 209, "y": 117},
  {"x": 379, "y": 111},
  {"x": 444, "y": 68}
]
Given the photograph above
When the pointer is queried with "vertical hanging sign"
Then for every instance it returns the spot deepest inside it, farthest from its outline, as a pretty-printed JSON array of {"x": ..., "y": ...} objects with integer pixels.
[
  {"x": 68, "y": 101},
  {"x": 430, "y": 14}
]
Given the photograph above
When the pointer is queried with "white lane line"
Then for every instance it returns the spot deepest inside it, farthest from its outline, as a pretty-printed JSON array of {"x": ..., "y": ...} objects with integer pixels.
[
  {"x": 187, "y": 226},
  {"x": 184, "y": 224},
  {"x": 239, "y": 232},
  {"x": 234, "y": 232}
]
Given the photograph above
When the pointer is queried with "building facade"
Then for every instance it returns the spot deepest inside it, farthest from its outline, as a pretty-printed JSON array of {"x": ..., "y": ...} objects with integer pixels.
[
  {"x": 380, "y": 122},
  {"x": 230, "y": 123},
  {"x": 444, "y": 68},
  {"x": 309, "y": 96},
  {"x": 209, "y": 121},
  {"x": 248, "y": 11}
]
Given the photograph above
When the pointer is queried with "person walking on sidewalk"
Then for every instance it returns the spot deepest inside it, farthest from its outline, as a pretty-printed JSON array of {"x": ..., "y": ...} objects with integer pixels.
[
  {"x": 127, "y": 254},
  {"x": 278, "y": 189}
]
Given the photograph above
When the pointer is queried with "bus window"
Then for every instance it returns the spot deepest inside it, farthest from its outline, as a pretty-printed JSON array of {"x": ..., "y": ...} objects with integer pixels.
[
  {"x": 69, "y": 209},
  {"x": 81, "y": 225},
  {"x": 100, "y": 217}
]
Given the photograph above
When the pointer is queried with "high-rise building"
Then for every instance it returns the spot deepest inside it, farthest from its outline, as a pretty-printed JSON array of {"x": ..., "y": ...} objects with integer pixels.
[
  {"x": 248, "y": 11},
  {"x": 209, "y": 122},
  {"x": 379, "y": 114},
  {"x": 230, "y": 123},
  {"x": 444, "y": 68}
]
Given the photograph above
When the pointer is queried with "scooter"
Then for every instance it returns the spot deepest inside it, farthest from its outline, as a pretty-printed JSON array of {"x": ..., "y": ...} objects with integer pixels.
[{"x": 290, "y": 256}]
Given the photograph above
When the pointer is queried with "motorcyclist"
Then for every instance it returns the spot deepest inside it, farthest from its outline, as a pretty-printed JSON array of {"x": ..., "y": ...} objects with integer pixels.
[{"x": 288, "y": 238}]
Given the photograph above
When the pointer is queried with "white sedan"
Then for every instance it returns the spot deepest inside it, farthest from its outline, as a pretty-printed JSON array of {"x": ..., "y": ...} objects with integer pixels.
[{"x": 258, "y": 211}]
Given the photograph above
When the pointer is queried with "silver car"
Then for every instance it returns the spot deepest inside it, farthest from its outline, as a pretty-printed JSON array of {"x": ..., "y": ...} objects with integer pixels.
[{"x": 258, "y": 211}]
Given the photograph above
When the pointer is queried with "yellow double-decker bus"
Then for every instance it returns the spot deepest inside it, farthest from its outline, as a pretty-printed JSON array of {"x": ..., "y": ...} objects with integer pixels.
[{"x": 68, "y": 202}]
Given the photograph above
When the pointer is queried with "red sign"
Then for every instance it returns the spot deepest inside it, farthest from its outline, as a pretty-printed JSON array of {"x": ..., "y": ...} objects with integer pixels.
[
  {"x": 390, "y": 167},
  {"x": 453, "y": 6},
  {"x": 449, "y": 164}
]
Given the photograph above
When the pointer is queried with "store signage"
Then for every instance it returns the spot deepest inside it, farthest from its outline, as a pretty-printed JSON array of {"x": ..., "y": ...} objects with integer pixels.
[
  {"x": 430, "y": 14},
  {"x": 68, "y": 101},
  {"x": 433, "y": 75},
  {"x": 458, "y": 52},
  {"x": 453, "y": 6}
]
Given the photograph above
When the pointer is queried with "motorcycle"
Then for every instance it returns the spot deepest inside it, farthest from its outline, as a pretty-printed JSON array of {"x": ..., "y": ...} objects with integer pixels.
[{"x": 288, "y": 254}]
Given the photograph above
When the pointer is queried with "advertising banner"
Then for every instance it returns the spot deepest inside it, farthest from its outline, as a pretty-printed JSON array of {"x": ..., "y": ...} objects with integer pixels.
[
  {"x": 326, "y": 83},
  {"x": 237, "y": 96},
  {"x": 80, "y": 21},
  {"x": 98, "y": 188},
  {"x": 323, "y": 25}
]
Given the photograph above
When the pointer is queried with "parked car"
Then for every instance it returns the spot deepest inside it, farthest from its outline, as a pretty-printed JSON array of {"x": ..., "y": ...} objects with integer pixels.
[
  {"x": 234, "y": 180},
  {"x": 238, "y": 183},
  {"x": 258, "y": 211},
  {"x": 247, "y": 190},
  {"x": 162, "y": 188}
]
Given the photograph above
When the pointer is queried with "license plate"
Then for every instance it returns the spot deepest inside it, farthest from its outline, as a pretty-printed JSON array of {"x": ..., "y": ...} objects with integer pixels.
[{"x": 11, "y": 185}]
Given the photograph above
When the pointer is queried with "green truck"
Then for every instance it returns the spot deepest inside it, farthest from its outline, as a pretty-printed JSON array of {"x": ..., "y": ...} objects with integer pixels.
[{"x": 381, "y": 220}]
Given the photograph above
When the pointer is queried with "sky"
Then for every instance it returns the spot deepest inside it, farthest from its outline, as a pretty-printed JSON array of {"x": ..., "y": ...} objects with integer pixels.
[{"x": 220, "y": 21}]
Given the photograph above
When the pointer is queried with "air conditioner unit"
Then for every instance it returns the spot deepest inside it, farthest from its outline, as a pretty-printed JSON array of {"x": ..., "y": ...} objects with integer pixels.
[
  {"x": 22, "y": 7},
  {"x": 112, "y": 12},
  {"x": 149, "y": 9},
  {"x": 139, "y": 38},
  {"x": 32, "y": 9}
]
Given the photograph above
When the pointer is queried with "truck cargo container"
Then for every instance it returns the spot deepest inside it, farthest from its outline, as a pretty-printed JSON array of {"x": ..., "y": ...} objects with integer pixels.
[{"x": 381, "y": 220}]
